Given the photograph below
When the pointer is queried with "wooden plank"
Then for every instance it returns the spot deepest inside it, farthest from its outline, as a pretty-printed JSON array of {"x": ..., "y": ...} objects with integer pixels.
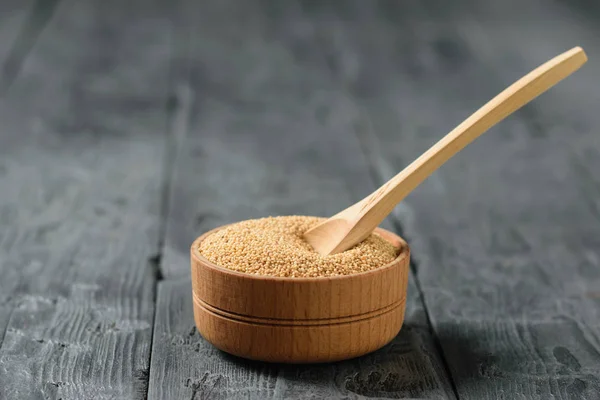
[
  {"x": 184, "y": 365},
  {"x": 13, "y": 15},
  {"x": 21, "y": 23},
  {"x": 81, "y": 151},
  {"x": 504, "y": 235},
  {"x": 13, "y": 18},
  {"x": 268, "y": 134}
]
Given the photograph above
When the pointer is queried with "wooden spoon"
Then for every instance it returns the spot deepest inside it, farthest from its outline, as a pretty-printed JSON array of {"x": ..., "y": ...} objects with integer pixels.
[{"x": 355, "y": 223}]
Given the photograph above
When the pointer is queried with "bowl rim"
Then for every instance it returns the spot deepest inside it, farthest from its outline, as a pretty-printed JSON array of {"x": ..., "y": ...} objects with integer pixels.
[{"x": 195, "y": 253}]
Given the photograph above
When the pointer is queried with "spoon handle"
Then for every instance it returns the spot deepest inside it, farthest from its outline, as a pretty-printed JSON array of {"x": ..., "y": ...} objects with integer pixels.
[{"x": 380, "y": 203}]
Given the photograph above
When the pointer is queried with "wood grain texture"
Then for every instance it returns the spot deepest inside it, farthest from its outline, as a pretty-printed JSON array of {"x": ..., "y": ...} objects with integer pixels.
[
  {"x": 24, "y": 23},
  {"x": 13, "y": 19},
  {"x": 186, "y": 366},
  {"x": 299, "y": 320},
  {"x": 13, "y": 15},
  {"x": 81, "y": 146},
  {"x": 272, "y": 101},
  {"x": 504, "y": 235},
  {"x": 268, "y": 134}
]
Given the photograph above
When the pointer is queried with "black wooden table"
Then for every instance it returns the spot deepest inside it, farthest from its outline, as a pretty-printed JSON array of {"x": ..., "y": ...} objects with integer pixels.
[{"x": 128, "y": 128}]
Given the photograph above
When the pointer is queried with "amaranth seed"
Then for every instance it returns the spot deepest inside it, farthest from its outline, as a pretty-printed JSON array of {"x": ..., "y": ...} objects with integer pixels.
[{"x": 274, "y": 246}]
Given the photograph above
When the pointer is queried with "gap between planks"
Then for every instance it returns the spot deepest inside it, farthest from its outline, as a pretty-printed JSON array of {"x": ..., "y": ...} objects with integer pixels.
[{"x": 369, "y": 145}]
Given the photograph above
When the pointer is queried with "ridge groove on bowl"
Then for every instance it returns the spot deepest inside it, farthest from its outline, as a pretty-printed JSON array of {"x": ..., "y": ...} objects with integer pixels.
[{"x": 296, "y": 322}]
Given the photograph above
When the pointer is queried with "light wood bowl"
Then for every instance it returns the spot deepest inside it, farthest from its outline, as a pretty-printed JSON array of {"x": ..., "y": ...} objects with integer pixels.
[{"x": 299, "y": 320}]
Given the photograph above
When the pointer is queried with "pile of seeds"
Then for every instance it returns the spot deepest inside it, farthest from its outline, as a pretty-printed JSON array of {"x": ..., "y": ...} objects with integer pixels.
[{"x": 274, "y": 246}]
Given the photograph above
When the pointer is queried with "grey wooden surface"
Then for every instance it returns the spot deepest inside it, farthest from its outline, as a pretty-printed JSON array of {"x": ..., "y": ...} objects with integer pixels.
[
  {"x": 82, "y": 145},
  {"x": 265, "y": 150},
  {"x": 129, "y": 128},
  {"x": 505, "y": 236}
]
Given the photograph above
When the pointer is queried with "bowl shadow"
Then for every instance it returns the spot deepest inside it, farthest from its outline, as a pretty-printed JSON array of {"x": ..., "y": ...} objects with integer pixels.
[{"x": 409, "y": 366}]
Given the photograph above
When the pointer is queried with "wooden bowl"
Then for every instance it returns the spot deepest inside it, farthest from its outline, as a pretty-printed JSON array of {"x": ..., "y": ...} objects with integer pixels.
[{"x": 299, "y": 320}]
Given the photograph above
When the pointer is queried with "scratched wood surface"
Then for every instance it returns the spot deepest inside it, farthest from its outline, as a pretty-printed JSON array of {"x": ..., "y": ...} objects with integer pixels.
[
  {"x": 505, "y": 236},
  {"x": 129, "y": 128},
  {"x": 12, "y": 15},
  {"x": 258, "y": 135},
  {"x": 82, "y": 144}
]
